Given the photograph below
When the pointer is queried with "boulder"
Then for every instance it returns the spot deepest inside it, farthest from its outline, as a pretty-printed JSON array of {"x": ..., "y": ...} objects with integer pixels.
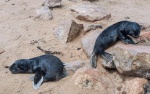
[
  {"x": 91, "y": 78},
  {"x": 52, "y": 3},
  {"x": 89, "y": 12},
  {"x": 44, "y": 13},
  {"x": 88, "y": 42},
  {"x": 132, "y": 60},
  {"x": 67, "y": 30}
]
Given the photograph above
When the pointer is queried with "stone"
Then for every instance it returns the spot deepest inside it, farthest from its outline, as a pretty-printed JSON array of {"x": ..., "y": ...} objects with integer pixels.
[
  {"x": 88, "y": 42},
  {"x": 44, "y": 13},
  {"x": 144, "y": 38},
  {"x": 89, "y": 12},
  {"x": 90, "y": 27},
  {"x": 98, "y": 80},
  {"x": 75, "y": 65},
  {"x": 137, "y": 86},
  {"x": 67, "y": 30},
  {"x": 132, "y": 60},
  {"x": 52, "y": 3}
]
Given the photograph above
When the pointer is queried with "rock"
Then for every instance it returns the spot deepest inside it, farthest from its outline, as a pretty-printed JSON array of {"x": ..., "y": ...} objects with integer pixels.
[
  {"x": 67, "y": 30},
  {"x": 90, "y": 27},
  {"x": 137, "y": 86},
  {"x": 132, "y": 60},
  {"x": 94, "y": 79},
  {"x": 144, "y": 38},
  {"x": 52, "y": 3},
  {"x": 88, "y": 42},
  {"x": 75, "y": 65},
  {"x": 89, "y": 12},
  {"x": 44, "y": 13}
]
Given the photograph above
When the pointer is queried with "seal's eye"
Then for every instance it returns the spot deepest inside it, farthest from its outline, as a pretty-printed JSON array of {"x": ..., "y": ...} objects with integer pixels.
[
  {"x": 131, "y": 33},
  {"x": 20, "y": 67}
]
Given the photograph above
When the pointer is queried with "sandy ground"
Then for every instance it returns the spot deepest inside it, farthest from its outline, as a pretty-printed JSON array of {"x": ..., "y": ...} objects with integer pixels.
[{"x": 18, "y": 30}]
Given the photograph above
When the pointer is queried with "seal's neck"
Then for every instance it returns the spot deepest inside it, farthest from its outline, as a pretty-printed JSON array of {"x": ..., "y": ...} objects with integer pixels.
[{"x": 33, "y": 65}]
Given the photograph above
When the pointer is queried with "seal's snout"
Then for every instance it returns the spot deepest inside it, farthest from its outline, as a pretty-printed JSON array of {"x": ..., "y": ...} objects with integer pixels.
[{"x": 12, "y": 68}]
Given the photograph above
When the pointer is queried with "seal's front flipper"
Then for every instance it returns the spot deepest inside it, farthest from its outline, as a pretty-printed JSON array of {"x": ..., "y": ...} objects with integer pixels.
[{"x": 38, "y": 78}]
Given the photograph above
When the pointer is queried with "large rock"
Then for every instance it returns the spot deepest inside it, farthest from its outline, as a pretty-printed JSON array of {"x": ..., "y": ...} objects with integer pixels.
[
  {"x": 132, "y": 60},
  {"x": 52, "y": 3},
  {"x": 88, "y": 42},
  {"x": 88, "y": 78},
  {"x": 67, "y": 30},
  {"x": 89, "y": 12},
  {"x": 44, "y": 13}
]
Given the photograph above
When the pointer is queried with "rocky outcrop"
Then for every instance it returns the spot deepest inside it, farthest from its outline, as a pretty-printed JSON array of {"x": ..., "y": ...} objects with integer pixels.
[
  {"x": 67, "y": 30},
  {"x": 89, "y": 12}
]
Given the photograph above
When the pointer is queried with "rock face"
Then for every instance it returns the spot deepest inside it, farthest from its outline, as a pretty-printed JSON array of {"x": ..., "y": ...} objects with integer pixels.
[
  {"x": 67, "y": 30},
  {"x": 89, "y": 12},
  {"x": 88, "y": 42},
  {"x": 132, "y": 60},
  {"x": 52, "y": 3},
  {"x": 44, "y": 13}
]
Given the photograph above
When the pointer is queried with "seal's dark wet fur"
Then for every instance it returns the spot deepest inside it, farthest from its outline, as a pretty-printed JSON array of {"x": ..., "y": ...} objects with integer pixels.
[
  {"x": 118, "y": 31},
  {"x": 48, "y": 66}
]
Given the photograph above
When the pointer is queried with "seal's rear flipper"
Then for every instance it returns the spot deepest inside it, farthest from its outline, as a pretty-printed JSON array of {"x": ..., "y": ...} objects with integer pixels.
[{"x": 38, "y": 78}]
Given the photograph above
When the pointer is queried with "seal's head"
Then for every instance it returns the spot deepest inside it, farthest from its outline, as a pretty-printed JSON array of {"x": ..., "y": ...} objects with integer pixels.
[
  {"x": 20, "y": 66},
  {"x": 134, "y": 29}
]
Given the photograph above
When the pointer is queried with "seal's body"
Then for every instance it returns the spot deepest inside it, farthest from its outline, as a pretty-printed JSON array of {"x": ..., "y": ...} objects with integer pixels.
[
  {"x": 45, "y": 67},
  {"x": 118, "y": 31}
]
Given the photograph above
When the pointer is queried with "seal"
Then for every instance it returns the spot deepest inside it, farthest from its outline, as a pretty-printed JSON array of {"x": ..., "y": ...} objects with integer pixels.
[
  {"x": 119, "y": 31},
  {"x": 46, "y": 68}
]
